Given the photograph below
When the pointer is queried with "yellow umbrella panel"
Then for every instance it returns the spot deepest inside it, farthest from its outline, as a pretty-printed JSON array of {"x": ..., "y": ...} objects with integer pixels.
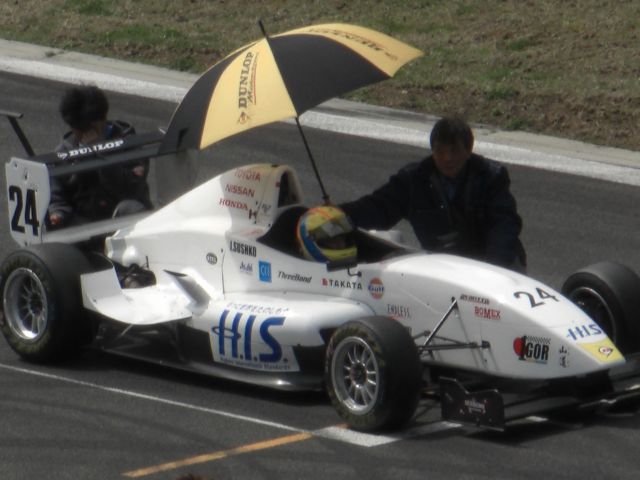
[{"x": 249, "y": 93}]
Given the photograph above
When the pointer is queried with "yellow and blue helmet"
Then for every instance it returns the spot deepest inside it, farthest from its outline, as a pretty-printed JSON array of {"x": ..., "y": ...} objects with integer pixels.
[{"x": 325, "y": 234}]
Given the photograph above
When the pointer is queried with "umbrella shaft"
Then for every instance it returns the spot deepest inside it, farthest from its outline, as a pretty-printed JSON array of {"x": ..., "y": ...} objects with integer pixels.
[{"x": 325, "y": 197}]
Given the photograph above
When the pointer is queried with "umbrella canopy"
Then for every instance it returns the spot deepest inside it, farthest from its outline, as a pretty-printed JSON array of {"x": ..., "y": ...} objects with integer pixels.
[{"x": 280, "y": 77}]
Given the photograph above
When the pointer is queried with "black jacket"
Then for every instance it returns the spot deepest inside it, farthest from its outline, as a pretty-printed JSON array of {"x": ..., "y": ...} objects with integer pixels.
[
  {"x": 94, "y": 195},
  {"x": 480, "y": 220}
]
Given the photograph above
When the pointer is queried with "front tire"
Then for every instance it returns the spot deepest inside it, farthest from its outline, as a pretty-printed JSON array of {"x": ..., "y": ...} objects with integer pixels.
[
  {"x": 42, "y": 314},
  {"x": 373, "y": 374},
  {"x": 610, "y": 294}
]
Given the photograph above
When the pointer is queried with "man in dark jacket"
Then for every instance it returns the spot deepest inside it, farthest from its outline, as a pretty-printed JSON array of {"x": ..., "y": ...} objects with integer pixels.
[
  {"x": 456, "y": 201},
  {"x": 95, "y": 195}
]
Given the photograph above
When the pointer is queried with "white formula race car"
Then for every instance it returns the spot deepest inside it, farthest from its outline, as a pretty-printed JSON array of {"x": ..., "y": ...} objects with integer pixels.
[{"x": 214, "y": 283}]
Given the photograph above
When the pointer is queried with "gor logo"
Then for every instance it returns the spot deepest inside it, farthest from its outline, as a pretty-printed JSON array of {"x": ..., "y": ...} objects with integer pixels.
[{"x": 532, "y": 349}]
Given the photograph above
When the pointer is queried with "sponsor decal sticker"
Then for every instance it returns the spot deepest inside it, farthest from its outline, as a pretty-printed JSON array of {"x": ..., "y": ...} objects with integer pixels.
[
  {"x": 240, "y": 190},
  {"x": 330, "y": 282},
  {"x": 399, "y": 311},
  {"x": 604, "y": 351},
  {"x": 474, "y": 299},
  {"x": 246, "y": 267},
  {"x": 242, "y": 248},
  {"x": 489, "y": 313},
  {"x": 295, "y": 277},
  {"x": 532, "y": 349},
  {"x": 247, "y": 174},
  {"x": 563, "y": 357},
  {"x": 474, "y": 406},
  {"x": 257, "y": 309},
  {"x": 247, "y": 340},
  {"x": 376, "y": 288},
  {"x": 584, "y": 331},
  {"x": 227, "y": 202},
  {"x": 264, "y": 271},
  {"x": 211, "y": 258},
  {"x": 100, "y": 147}
]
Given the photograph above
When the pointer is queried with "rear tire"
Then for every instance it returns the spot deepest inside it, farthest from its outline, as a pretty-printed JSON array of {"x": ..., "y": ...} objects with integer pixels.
[
  {"x": 610, "y": 294},
  {"x": 373, "y": 374},
  {"x": 42, "y": 315}
]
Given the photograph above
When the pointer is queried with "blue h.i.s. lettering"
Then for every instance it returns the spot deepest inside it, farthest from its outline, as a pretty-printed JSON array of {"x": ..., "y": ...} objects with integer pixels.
[
  {"x": 231, "y": 330},
  {"x": 584, "y": 331}
]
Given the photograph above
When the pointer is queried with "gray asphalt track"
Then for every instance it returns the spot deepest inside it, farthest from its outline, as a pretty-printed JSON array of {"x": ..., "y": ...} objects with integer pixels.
[{"x": 101, "y": 417}]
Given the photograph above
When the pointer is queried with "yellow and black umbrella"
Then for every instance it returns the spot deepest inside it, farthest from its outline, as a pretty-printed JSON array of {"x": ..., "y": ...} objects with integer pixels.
[{"x": 280, "y": 77}]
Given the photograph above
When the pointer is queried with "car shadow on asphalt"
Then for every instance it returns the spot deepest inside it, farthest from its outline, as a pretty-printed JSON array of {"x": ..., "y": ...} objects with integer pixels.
[{"x": 100, "y": 361}]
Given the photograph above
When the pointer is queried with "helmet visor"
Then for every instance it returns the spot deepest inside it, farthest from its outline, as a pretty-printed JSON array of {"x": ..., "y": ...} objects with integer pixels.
[
  {"x": 334, "y": 228},
  {"x": 339, "y": 242}
]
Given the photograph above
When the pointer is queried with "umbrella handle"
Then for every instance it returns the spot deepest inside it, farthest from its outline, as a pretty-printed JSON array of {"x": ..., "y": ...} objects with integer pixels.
[{"x": 325, "y": 197}]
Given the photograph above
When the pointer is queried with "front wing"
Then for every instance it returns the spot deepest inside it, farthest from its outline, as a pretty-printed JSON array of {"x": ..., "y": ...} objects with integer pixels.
[{"x": 494, "y": 408}]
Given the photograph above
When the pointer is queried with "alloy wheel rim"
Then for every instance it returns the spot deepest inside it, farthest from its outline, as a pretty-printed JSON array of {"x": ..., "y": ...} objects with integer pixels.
[
  {"x": 356, "y": 374},
  {"x": 25, "y": 305}
]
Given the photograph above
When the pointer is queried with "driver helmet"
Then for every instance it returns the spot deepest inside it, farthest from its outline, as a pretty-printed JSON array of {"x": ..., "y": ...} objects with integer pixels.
[{"x": 325, "y": 234}]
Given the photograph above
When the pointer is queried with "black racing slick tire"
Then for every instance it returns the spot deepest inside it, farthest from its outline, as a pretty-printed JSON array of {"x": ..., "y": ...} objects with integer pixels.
[
  {"x": 610, "y": 294},
  {"x": 373, "y": 374},
  {"x": 42, "y": 315}
]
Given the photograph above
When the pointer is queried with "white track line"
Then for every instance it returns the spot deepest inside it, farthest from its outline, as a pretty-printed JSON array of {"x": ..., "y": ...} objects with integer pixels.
[
  {"x": 341, "y": 434},
  {"x": 153, "y": 398},
  {"x": 337, "y": 433}
]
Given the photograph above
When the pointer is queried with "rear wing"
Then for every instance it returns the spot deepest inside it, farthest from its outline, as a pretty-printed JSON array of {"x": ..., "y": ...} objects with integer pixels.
[
  {"x": 13, "y": 120},
  {"x": 28, "y": 183}
]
